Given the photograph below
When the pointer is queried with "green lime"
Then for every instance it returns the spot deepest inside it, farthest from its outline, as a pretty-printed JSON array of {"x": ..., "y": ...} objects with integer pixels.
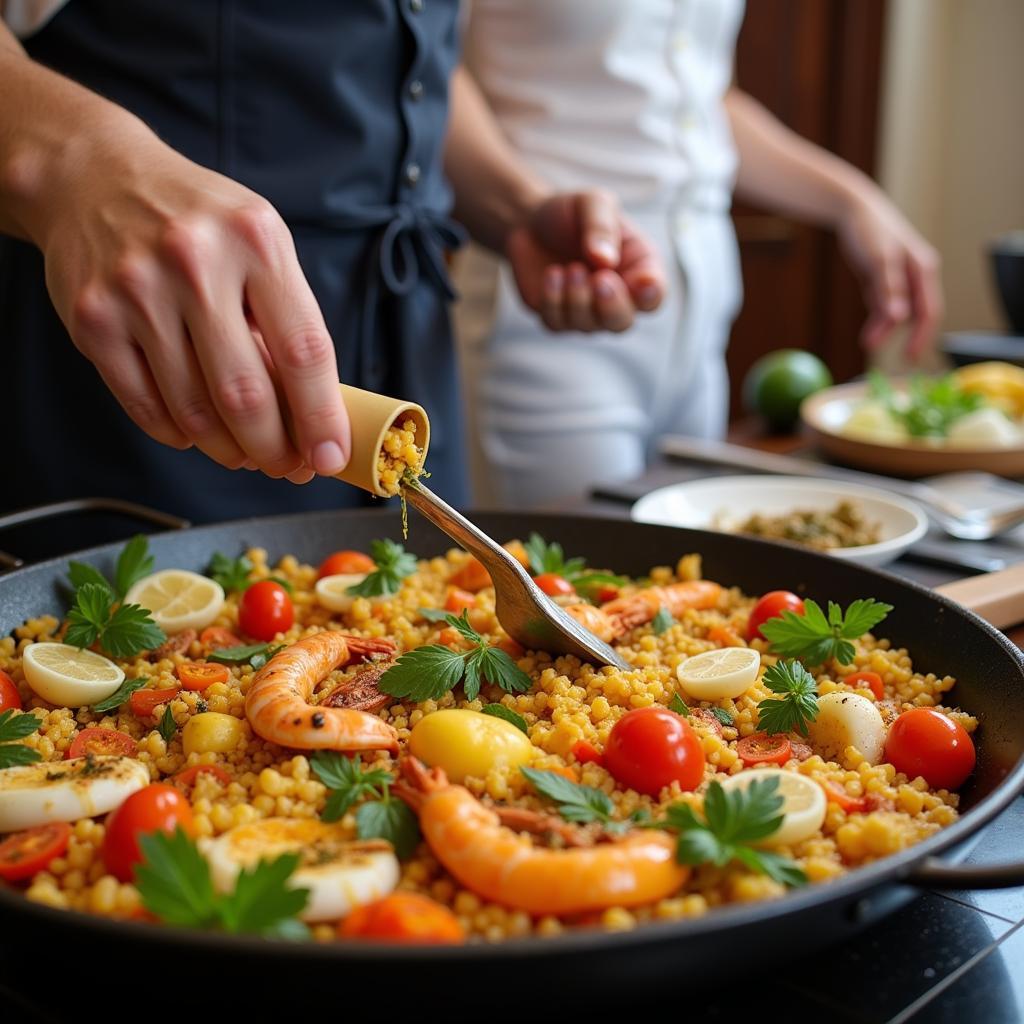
[{"x": 778, "y": 382}]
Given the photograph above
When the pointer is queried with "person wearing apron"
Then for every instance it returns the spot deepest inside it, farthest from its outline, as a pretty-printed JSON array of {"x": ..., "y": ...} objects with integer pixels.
[
  {"x": 637, "y": 98},
  {"x": 335, "y": 114}
]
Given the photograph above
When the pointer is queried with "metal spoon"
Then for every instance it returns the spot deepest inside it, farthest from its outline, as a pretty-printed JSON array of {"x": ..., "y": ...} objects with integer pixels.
[{"x": 525, "y": 612}]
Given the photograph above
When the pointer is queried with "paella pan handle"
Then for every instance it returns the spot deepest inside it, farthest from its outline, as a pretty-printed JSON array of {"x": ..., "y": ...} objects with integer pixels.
[
  {"x": 61, "y": 508},
  {"x": 935, "y": 874},
  {"x": 998, "y": 597}
]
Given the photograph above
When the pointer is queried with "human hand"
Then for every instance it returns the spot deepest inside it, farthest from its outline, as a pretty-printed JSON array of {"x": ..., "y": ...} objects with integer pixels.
[
  {"x": 582, "y": 266},
  {"x": 899, "y": 270},
  {"x": 184, "y": 290}
]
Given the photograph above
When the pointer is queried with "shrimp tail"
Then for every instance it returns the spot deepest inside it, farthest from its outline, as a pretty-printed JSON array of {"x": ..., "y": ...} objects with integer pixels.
[
  {"x": 367, "y": 647},
  {"x": 420, "y": 778}
]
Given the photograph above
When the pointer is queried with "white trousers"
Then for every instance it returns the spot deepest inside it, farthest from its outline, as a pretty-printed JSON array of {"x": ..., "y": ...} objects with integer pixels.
[{"x": 548, "y": 415}]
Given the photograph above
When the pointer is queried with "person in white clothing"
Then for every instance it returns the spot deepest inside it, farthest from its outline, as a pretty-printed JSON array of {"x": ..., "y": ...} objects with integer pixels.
[{"x": 637, "y": 97}]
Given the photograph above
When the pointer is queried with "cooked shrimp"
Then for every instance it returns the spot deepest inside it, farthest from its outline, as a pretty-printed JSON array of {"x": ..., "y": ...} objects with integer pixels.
[
  {"x": 506, "y": 867},
  {"x": 616, "y": 617},
  {"x": 278, "y": 702}
]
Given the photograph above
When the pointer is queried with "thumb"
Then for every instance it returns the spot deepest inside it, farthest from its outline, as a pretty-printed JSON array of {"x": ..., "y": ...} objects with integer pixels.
[{"x": 600, "y": 234}]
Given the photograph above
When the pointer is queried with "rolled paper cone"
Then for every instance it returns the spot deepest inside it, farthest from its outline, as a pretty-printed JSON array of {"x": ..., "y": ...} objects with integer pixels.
[{"x": 370, "y": 415}]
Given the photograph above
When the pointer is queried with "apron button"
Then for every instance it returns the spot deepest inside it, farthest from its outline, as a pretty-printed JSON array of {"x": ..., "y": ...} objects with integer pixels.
[
  {"x": 415, "y": 89},
  {"x": 416, "y": 6},
  {"x": 412, "y": 173}
]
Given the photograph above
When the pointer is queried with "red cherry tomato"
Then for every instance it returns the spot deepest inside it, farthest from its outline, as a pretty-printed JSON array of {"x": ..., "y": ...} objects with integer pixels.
[
  {"x": 346, "y": 563},
  {"x": 25, "y": 853},
  {"x": 9, "y": 696},
  {"x": 144, "y": 702},
  {"x": 458, "y": 600},
  {"x": 606, "y": 592},
  {"x": 198, "y": 675},
  {"x": 651, "y": 747},
  {"x": 839, "y": 796},
  {"x": 926, "y": 742},
  {"x": 760, "y": 748},
  {"x": 217, "y": 638},
  {"x": 554, "y": 585},
  {"x": 187, "y": 776},
  {"x": 587, "y": 753},
  {"x": 871, "y": 680},
  {"x": 771, "y": 605},
  {"x": 265, "y": 610},
  {"x": 100, "y": 742},
  {"x": 155, "y": 808}
]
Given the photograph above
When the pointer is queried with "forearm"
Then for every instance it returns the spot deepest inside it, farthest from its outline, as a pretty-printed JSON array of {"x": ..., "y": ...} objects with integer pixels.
[
  {"x": 494, "y": 191},
  {"x": 48, "y": 126},
  {"x": 786, "y": 173}
]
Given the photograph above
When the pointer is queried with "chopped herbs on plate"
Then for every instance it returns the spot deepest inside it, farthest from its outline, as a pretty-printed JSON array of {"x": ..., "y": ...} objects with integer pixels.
[
  {"x": 662, "y": 621},
  {"x": 256, "y": 655}
]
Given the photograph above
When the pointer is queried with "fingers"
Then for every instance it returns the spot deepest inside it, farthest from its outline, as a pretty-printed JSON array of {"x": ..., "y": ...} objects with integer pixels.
[
  {"x": 926, "y": 297},
  {"x": 600, "y": 234},
  {"x": 579, "y": 299},
  {"x": 612, "y": 301},
  {"x": 552, "y": 298},
  {"x": 888, "y": 300},
  {"x": 642, "y": 271}
]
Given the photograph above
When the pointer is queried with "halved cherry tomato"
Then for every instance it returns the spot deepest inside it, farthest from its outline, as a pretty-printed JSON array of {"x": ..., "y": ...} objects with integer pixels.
[
  {"x": 472, "y": 576},
  {"x": 926, "y": 742},
  {"x": 587, "y": 753},
  {"x": 144, "y": 702},
  {"x": 9, "y": 696},
  {"x": 345, "y": 563},
  {"x": 651, "y": 747},
  {"x": 872, "y": 680},
  {"x": 458, "y": 601},
  {"x": 606, "y": 592},
  {"x": 760, "y": 748},
  {"x": 265, "y": 610},
  {"x": 25, "y": 853},
  {"x": 198, "y": 675},
  {"x": 100, "y": 742},
  {"x": 554, "y": 585},
  {"x": 512, "y": 648},
  {"x": 771, "y": 606},
  {"x": 187, "y": 776},
  {"x": 403, "y": 917},
  {"x": 839, "y": 796},
  {"x": 724, "y": 637},
  {"x": 217, "y": 638},
  {"x": 155, "y": 808}
]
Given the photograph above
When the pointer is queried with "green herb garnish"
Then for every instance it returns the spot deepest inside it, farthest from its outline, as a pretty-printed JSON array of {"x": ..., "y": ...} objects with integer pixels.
[
  {"x": 433, "y": 614},
  {"x": 544, "y": 557},
  {"x": 723, "y": 716},
  {"x": 798, "y": 704},
  {"x": 15, "y": 725},
  {"x": 120, "y": 695},
  {"x": 167, "y": 726},
  {"x": 679, "y": 706},
  {"x": 391, "y": 819},
  {"x": 393, "y": 563},
  {"x": 500, "y": 711},
  {"x": 256, "y": 655},
  {"x": 734, "y": 819},
  {"x": 428, "y": 673},
  {"x": 230, "y": 573},
  {"x": 576, "y": 802},
  {"x": 174, "y": 882},
  {"x": 814, "y": 638},
  {"x": 929, "y": 407},
  {"x": 662, "y": 621}
]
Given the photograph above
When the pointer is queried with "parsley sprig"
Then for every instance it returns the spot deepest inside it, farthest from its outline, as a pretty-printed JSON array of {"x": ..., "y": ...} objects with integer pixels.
[
  {"x": 120, "y": 695},
  {"x": 16, "y": 726},
  {"x": 815, "y": 638},
  {"x": 544, "y": 557},
  {"x": 167, "y": 726},
  {"x": 257, "y": 655},
  {"x": 174, "y": 882},
  {"x": 662, "y": 621},
  {"x": 429, "y": 672},
  {"x": 510, "y": 716},
  {"x": 124, "y": 630},
  {"x": 576, "y": 802},
  {"x": 798, "y": 704},
  {"x": 929, "y": 407},
  {"x": 230, "y": 573},
  {"x": 383, "y": 817},
  {"x": 393, "y": 563},
  {"x": 734, "y": 820}
]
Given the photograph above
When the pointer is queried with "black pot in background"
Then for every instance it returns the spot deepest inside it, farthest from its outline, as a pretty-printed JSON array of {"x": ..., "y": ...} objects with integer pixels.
[{"x": 1007, "y": 255}]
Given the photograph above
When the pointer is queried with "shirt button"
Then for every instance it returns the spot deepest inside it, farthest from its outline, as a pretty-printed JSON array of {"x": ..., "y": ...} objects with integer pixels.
[
  {"x": 415, "y": 89},
  {"x": 416, "y": 6},
  {"x": 412, "y": 174}
]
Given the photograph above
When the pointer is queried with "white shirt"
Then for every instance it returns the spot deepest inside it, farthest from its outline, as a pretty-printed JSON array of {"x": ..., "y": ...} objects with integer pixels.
[
  {"x": 621, "y": 93},
  {"x": 24, "y": 17}
]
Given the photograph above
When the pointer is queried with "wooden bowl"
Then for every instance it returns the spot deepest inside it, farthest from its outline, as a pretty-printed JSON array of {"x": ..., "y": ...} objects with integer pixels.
[{"x": 825, "y": 413}]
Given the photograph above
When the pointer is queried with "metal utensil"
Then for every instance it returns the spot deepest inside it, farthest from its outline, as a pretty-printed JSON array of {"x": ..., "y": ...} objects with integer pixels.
[
  {"x": 525, "y": 612},
  {"x": 957, "y": 521}
]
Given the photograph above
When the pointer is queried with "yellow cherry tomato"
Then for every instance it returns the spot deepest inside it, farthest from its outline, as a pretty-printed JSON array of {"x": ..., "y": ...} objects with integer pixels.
[
  {"x": 211, "y": 732},
  {"x": 468, "y": 743}
]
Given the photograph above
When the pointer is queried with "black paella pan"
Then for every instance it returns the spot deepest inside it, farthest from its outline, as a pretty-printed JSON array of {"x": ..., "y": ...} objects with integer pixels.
[{"x": 586, "y": 967}]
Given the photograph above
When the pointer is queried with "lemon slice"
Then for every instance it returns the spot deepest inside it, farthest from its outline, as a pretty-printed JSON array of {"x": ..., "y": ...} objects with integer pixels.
[
  {"x": 68, "y": 676},
  {"x": 727, "y": 672},
  {"x": 332, "y": 591},
  {"x": 178, "y": 599},
  {"x": 803, "y": 803}
]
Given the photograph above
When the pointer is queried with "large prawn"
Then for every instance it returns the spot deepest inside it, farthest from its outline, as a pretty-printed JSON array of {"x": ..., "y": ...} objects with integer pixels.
[
  {"x": 278, "y": 702},
  {"x": 504, "y": 866},
  {"x": 612, "y": 620}
]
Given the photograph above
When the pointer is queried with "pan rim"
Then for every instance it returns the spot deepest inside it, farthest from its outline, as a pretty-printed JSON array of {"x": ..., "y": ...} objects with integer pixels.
[{"x": 858, "y": 883}]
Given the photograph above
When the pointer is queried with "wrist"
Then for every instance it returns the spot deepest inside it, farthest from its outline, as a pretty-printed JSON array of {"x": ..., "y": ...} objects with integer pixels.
[{"x": 523, "y": 201}]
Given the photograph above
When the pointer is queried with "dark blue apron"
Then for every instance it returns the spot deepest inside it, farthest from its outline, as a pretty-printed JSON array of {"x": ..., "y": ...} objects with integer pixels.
[{"x": 335, "y": 111}]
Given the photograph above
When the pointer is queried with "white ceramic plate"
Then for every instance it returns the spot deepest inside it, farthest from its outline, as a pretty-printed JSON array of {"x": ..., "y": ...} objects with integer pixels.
[{"x": 719, "y": 501}]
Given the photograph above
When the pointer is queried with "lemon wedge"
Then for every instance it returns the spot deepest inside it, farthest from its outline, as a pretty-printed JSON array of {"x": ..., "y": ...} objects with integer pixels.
[
  {"x": 713, "y": 675},
  {"x": 332, "y": 591},
  {"x": 178, "y": 599},
  {"x": 803, "y": 803},
  {"x": 68, "y": 676}
]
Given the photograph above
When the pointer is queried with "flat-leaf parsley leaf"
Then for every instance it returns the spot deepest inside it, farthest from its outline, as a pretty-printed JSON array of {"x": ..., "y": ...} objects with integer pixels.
[
  {"x": 798, "y": 704},
  {"x": 815, "y": 638},
  {"x": 15, "y": 725},
  {"x": 575, "y": 802},
  {"x": 393, "y": 563}
]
